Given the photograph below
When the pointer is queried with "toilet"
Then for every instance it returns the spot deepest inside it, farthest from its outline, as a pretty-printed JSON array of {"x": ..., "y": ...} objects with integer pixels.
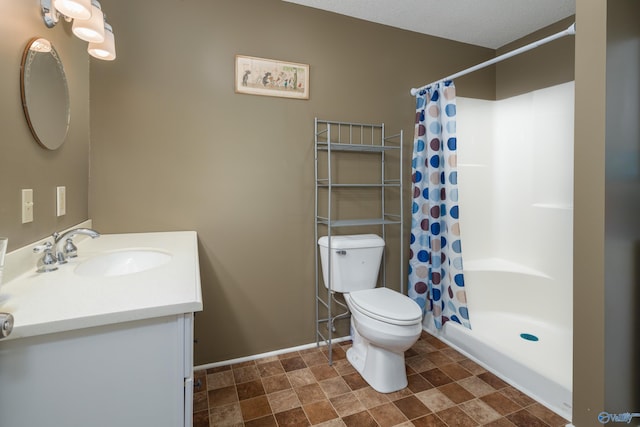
[{"x": 384, "y": 323}]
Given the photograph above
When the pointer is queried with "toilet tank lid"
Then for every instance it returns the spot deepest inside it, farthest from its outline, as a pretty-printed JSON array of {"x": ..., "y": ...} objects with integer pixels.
[{"x": 354, "y": 241}]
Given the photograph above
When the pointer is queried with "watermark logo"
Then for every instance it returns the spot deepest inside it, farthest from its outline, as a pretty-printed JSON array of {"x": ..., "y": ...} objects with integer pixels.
[{"x": 626, "y": 417}]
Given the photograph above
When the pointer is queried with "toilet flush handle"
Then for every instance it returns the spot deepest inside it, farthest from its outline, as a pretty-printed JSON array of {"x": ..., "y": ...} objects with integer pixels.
[{"x": 341, "y": 252}]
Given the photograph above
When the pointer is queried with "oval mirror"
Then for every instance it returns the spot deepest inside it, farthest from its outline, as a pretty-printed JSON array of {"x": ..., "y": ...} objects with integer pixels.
[{"x": 45, "y": 95}]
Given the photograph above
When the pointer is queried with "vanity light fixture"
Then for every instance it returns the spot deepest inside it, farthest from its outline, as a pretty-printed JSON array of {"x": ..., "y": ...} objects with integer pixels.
[
  {"x": 92, "y": 29},
  {"x": 105, "y": 50},
  {"x": 89, "y": 24},
  {"x": 75, "y": 9}
]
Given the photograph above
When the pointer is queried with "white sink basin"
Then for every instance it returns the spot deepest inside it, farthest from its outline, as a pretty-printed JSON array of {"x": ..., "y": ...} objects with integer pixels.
[{"x": 121, "y": 262}]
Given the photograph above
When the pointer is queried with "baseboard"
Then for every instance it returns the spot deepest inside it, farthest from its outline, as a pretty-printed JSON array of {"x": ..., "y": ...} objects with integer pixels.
[{"x": 267, "y": 354}]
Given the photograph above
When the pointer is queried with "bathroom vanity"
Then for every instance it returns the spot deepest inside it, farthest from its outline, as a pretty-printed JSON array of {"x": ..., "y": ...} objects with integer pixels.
[{"x": 107, "y": 339}]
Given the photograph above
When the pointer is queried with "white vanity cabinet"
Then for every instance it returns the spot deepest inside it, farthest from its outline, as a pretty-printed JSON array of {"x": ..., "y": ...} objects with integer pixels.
[
  {"x": 102, "y": 350},
  {"x": 127, "y": 374}
]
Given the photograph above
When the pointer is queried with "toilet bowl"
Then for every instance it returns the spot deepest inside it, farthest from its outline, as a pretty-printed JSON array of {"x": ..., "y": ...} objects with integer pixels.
[{"x": 384, "y": 323}]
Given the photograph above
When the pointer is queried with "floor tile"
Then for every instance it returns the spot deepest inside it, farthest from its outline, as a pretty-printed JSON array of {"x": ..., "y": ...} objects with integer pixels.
[
  {"x": 455, "y": 417},
  {"x": 314, "y": 358},
  {"x": 334, "y": 387},
  {"x": 493, "y": 380},
  {"x": 430, "y": 420},
  {"x": 301, "y": 377},
  {"x": 319, "y": 412},
  {"x": 294, "y": 417},
  {"x": 267, "y": 421},
  {"x": 323, "y": 372},
  {"x": 501, "y": 403},
  {"x": 418, "y": 383},
  {"x": 268, "y": 369},
  {"x": 310, "y": 393},
  {"x": 256, "y": 407},
  {"x": 347, "y": 404},
  {"x": 250, "y": 389},
  {"x": 283, "y": 401},
  {"x": 370, "y": 398},
  {"x": 479, "y": 411},
  {"x": 456, "y": 393},
  {"x": 388, "y": 415},
  {"x": 226, "y": 415},
  {"x": 476, "y": 386},
  {"x": 517, "y": 396},
  {"x": 201, "y": 419},
  {"x": 293, "y": 363},
  {"x": 526, "y": 418},
  {"x": 276, "y": 383},
  {"x": 439, "y": 358},
  {"x": 435, "y": 400},
  {"x": 360, "y": 419},
  {"x": 412, "y": 407},
  {"x": 546, "y": 415},
  {"x": 445, "y": 389},
  {"x": 355, "y": 381},
  {"x": 436, "y": 377},
  {"x": 220, "y": 380},
  {"x": 245, "y": 373},
  {"x": 455, "y": 371},
  {"x": 222, "y": 396}
]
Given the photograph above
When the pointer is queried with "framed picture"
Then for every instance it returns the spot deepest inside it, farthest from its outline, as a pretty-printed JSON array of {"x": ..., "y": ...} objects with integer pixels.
[{"x": 260, "y": 76}]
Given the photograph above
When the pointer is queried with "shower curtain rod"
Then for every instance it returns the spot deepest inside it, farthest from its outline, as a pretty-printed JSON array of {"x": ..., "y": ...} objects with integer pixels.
[{"x": 568, "y": 32}]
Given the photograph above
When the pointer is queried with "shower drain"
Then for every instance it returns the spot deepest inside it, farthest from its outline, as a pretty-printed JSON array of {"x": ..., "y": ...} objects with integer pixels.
[{"x": 529, "y": 337}]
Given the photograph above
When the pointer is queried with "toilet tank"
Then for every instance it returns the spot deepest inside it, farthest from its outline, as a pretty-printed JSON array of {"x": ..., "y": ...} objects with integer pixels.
[{"x": 355, "y": 261}]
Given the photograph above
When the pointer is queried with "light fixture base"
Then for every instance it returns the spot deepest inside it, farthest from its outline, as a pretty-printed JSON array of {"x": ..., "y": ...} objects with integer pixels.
[{"x": 50, "y": 15}]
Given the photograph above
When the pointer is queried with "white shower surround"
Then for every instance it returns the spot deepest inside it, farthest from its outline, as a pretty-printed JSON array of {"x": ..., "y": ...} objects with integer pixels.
[{"x": 516, "y": 214}]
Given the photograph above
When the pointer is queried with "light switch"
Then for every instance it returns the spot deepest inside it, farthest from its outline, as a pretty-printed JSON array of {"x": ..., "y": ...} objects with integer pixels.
[
  {"x": 61, "y": 201},
  {"x": 27, "y": 206}
]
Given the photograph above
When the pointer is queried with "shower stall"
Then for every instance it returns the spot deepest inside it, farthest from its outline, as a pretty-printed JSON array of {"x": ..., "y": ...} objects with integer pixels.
[{"x": 515, "y": 178}]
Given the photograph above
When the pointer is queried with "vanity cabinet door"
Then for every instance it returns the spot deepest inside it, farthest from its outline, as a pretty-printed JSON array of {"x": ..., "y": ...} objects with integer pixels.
[{"x": 127, "y": 374}]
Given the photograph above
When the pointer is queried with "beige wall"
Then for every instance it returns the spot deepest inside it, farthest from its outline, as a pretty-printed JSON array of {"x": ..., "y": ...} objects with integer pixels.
[
  {"x": 544, "y": 66},
  {"x": 607, "y": 148},
  {"x": 173, "y": 147},
  {"x": 588, "y": 240},
  {"x": 23, "y": 163}
]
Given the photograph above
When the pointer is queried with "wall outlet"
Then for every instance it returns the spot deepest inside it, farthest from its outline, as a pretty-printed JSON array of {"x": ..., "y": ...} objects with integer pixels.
[
  {"x": 61, "y": 201},
  {"x": 27, "y": 206}
]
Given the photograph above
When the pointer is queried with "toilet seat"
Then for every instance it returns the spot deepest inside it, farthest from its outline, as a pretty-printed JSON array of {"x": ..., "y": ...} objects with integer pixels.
[{"x": 387, "y": 306}]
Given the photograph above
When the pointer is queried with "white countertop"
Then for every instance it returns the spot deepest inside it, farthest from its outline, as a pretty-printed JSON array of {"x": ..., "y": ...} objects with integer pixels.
[{"x": 44, "y": 303}]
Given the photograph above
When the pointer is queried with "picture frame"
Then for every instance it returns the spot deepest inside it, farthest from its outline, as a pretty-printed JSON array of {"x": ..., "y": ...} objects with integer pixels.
[{"x": 271, "y": 77}]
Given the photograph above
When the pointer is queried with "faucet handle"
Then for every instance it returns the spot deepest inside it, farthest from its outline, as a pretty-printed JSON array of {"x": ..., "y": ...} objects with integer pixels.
[
  {"x": 45, "y": 247},
  {"x": 70, "y": 250},
  {"x": 48, "y": 261},
  {"x": 6, "y": 324}
]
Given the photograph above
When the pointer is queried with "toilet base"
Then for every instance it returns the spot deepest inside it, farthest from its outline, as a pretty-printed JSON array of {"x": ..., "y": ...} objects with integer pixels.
[{"x": 382, "y": 369}]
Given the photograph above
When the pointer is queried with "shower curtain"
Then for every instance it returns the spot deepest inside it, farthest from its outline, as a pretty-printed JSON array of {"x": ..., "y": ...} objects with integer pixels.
[{"x": 436, "y": 280}]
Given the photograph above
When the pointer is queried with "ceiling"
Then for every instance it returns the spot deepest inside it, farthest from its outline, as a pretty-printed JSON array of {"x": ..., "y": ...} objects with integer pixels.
[{"x": 487, "y": 23}]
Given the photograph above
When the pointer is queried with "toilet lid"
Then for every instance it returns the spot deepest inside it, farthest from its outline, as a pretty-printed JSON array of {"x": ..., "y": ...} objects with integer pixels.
[{"x": 386, "y": 305}]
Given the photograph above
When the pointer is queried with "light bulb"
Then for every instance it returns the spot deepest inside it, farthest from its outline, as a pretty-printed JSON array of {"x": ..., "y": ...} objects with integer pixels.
[
  {"x": 76, "y": 9},
  {"x": 105, "y": 50},
  {"x": 92, "y": 29}
]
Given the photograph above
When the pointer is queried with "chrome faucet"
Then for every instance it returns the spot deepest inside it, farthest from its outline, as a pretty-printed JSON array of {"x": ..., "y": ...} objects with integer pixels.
[
  {"x": 63, "y": 243},
  {"x": 61, "y": 249}
]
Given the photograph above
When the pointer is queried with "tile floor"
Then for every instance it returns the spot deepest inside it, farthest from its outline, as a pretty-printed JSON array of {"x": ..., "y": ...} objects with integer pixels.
[{"x": 301, "y": 389}]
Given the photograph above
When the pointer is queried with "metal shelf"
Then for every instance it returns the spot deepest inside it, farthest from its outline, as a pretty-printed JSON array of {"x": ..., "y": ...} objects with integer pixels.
[
  {"x": 331, "y": 139},
  {"x": 357, "y": 222},
  {"x": 337, "y": 146}
]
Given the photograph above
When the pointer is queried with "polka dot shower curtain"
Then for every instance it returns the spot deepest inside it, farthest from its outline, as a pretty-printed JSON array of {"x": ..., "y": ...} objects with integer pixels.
[{"x": 436, "y": 281}]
